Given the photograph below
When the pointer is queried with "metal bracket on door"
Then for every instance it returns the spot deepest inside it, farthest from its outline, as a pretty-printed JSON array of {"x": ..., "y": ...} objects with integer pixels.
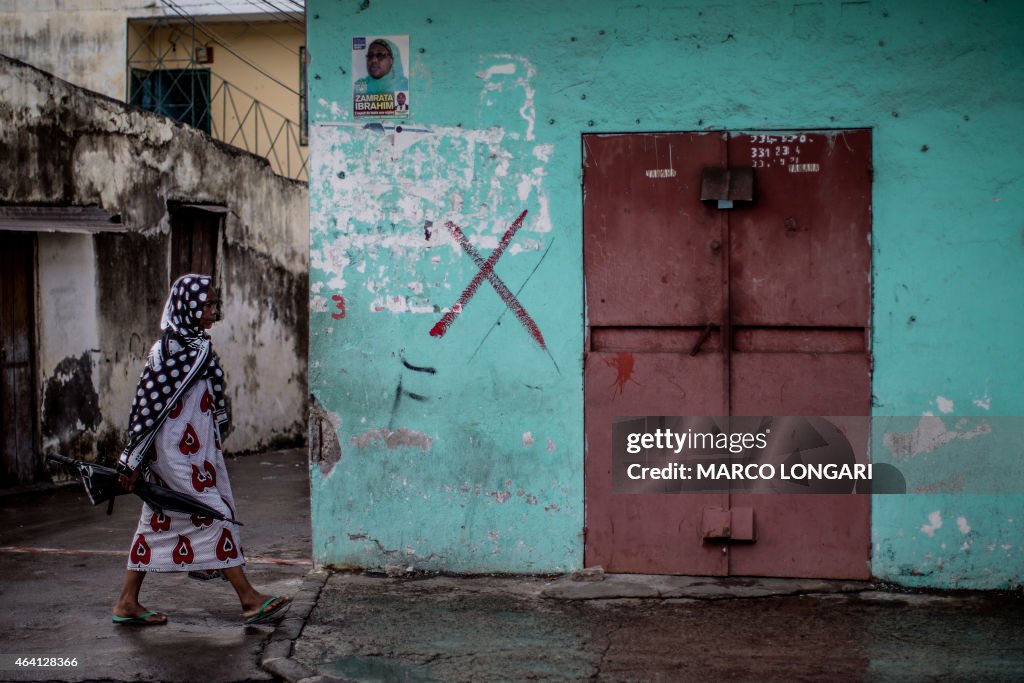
[
  {"x": 721, "y": 524},
  {"x": 726, "y": 185}
]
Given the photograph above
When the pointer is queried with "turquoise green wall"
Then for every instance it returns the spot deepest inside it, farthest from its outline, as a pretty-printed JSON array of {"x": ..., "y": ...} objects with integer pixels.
[{"x": 484, "y": 472}]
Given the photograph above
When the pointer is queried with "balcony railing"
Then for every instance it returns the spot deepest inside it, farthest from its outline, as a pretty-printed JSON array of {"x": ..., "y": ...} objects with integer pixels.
[
  {"x": 247, "y": 123},
  {"x": 161, "y": 79}
]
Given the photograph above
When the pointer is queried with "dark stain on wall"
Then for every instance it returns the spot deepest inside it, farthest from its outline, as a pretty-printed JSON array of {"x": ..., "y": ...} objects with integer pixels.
[
  {"x": 71, "y": 409},
  {"x": 44, "y": 145},
  {"x": 131, "y": 287},
  {"x": 281, "y": 295},
  {"x": 54, "y": 178}
]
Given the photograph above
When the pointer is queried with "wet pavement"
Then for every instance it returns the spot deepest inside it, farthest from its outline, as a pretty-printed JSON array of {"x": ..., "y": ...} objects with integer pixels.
[
  {"x": 61, "y": 562},
  {"x": 482, "y": 629}
]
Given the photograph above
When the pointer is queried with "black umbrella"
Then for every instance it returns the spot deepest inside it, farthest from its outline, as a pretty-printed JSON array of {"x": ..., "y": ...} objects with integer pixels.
[{"x": 101, "y": 485}]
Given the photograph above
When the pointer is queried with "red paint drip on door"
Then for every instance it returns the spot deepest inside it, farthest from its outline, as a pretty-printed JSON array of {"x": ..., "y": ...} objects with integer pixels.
[{"x": 623, "y": 364}]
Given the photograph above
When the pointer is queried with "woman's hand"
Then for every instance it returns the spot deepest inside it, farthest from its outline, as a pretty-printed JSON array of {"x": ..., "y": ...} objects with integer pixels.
[{"x": 127, "y": 481}]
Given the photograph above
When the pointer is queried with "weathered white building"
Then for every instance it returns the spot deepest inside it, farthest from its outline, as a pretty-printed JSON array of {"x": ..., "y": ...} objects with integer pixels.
[{"x": 101, "y": 205}]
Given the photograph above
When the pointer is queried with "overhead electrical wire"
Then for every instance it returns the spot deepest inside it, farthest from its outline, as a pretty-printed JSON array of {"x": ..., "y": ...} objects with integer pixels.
[
  {"x": 177, "y": 9},
  {"x": 259, "y": 28},
  {"x": 288, "y": 15}
]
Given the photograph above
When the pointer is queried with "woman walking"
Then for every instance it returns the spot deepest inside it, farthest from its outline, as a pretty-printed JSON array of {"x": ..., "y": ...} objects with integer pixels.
[{"x": 178, "y": 418}]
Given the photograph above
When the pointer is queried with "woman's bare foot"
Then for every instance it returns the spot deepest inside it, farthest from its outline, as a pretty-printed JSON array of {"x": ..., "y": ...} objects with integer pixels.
[
  {"x": 256, "y": 606},
  {"x": 135, "y": 613},
  {"x": 265, "y": 607}
]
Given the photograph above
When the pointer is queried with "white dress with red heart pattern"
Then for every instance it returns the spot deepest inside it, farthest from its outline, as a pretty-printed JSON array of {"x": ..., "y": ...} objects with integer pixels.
[{"x": 189, "y": 459}]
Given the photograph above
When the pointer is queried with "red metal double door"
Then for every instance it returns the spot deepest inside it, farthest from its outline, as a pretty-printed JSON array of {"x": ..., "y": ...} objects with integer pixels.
[{"x": 759, "y": 309}]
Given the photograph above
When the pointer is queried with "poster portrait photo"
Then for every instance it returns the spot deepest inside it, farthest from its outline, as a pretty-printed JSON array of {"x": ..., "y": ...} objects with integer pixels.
[{"x": 380, "y": 86}]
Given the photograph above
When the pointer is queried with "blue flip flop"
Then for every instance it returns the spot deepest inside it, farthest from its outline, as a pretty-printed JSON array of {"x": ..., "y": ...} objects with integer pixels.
[
  {"x": 140, "y": 620},
  {"x": 266, "y": 612}
]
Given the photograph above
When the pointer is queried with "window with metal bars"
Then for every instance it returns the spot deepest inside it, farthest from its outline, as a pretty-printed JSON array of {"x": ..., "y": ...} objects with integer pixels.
[{"x": 182, "y": 94}]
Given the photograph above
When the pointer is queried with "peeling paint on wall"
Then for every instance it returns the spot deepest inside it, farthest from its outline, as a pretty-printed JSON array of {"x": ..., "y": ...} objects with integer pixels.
[
  {"x": 399, "y": 179},
  {"x": 505, "y": 78},
  {"x": 405, "y": 219},
  {"x": 985, "y": 402},
  {"x": 390, "y": 190},
  {"x": 933, "y": 525},
  {"x": 931, "y": 434}
]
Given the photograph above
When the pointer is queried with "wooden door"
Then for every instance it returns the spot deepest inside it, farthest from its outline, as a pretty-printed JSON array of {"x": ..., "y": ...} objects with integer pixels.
[
  {"x": 20, "y": 463},
  {"x": 195, "y": 237}
]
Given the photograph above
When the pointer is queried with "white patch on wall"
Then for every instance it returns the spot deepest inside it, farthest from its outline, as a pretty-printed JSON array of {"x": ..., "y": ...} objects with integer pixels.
[
  {"x": 503, "y": 69},
  {"x": 331, "y": 259},
  {"x": 985, "y": 402},
  {"x": 933, "y": 525},
  {"x": 318, "y": 304},
  {"x": 507, "y": 73},
  {"x": 400, "y": 304},
  {"x": 525, "y": 245},
  {"x": 929, "y": 435},
  {"x": 962, "y": 524},
  {"x": 944, "y": 404},
  {"x": 333, "y": 108},
  {"x": 67, "y": 303}
]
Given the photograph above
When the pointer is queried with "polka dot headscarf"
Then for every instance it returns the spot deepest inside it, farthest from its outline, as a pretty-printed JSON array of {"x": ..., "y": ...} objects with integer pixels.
[{"x": 184, "y": 305}]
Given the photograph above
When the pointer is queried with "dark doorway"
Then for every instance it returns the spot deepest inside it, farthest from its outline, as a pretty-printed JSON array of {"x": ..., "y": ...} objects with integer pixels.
[{"x": 20, "y": 463}]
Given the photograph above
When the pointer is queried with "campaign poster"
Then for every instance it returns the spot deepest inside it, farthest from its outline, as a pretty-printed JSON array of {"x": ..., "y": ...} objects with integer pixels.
[{"x": 380, "y": 84}]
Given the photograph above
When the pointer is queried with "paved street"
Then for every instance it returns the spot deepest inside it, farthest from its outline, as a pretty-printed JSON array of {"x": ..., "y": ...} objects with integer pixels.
[
  {"x": 62, "y": 561},
  {"x": 497, "y": 629}
]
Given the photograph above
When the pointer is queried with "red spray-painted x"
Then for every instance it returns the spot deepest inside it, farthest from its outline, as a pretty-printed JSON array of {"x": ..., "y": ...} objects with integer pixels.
[{"x": 487, "y": 272}]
